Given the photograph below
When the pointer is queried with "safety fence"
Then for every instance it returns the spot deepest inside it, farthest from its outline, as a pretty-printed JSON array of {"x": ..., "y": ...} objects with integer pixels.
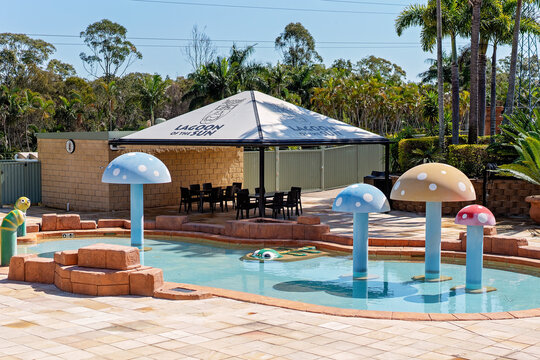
[
  {"x": 20, "y": 178},
  {"x": 313, "y": 169}
]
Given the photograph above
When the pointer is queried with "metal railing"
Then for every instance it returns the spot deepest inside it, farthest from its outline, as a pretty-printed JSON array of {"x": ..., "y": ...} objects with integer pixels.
[{"x": 313, "y": 169}]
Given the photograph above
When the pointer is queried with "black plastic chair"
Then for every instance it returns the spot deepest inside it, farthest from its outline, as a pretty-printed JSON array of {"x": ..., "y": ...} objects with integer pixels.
[
  {"x": 207, "y": 186},
  {"x": 213, "y": 198},
  {"x": 244, "y": 203},
  {"x": 228, "y": 195},
  {"x": 291, "y": 203},
  {"x": 299, "y": 194},
  {"x": 237, "y": 186},
  {"x": 276, "y": 205},
  {"x": 186, "y": 199},
  {"x": 195, "y": 189}
]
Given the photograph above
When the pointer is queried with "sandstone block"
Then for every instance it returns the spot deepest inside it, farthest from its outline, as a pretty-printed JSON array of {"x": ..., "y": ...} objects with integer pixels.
[
  {"x": 99, "y": 276},
  {"x": 122, "y": 257},
  {"x": 63, "y": 284},
  {"x": 314, "y": 232},
  {"x": 149, "y": 225},
  {"x": 16, "y": 266},
  {"x": 309, "y": 220},
  {"x": 299, "y": 232},
  {"x": 92, "y": 256},
  {"x": 85, "y": 289},
  {"x": 32, "y": 228},
  {"x": 112, "y": 290},
  {"x": 337, "y": 239},
  {"x": 168, "y": 222},
  {"x": 64, "y": 271},
  {"x": 66, "y": 257},
  {"x": 48, "y": 222},
  {"x": 127, "y": 225},
  {"x": 88, "y": 225},
  {"x": 110, "y": 223},
  {"x": 490, "y": 230},
  {"x": 40, "y": 270},
  {"x": 145, "y": 282},
  {"x": 68, "y": 222}
]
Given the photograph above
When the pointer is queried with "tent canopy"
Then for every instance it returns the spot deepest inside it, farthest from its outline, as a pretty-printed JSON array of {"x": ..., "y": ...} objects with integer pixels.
[{"x": 251, "y": 118}]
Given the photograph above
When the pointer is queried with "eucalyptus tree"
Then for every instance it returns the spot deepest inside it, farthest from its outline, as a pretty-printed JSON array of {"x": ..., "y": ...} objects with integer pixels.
[
  {"x": 454, "y": 14},
  {"x": 19, "y": 55},
  {"x": 297, "y": 46},
  {"x": 110, "y": 51}
]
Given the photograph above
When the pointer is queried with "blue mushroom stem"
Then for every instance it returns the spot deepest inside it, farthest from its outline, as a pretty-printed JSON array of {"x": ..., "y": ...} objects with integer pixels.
[
  {"x": 360, "y": 244},
  {"x": 433, "y": 240},
  {"x": 137, "y": 216},
  {"x": 475, "y": 252}
]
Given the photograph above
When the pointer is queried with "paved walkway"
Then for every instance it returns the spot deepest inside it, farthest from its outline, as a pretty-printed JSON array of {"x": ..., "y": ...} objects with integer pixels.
[
  {"x": 40, "y": 322},
  {"x": 395, "y": 224}
]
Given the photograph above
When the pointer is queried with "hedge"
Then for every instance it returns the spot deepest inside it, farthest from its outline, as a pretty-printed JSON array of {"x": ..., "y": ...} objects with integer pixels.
[
  {"x": 406, "y": 147},
  {"x": 471, "y": 159}
]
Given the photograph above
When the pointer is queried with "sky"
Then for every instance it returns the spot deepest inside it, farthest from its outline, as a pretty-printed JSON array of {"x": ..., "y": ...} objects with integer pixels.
[{"x": 349, "y": 29}]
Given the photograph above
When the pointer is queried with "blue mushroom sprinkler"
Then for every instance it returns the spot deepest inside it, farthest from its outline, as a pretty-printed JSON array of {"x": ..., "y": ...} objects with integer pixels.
[
  {"x": 360, "y": 199},
  {"x": 136, "y": 169},
  {"x": 475, "y": 217},
  {"x": 433, "y": 183}
]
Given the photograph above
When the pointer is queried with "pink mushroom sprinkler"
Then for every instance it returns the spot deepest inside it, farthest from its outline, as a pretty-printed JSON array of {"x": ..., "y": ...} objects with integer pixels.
[{"x": 475, "y": 217}]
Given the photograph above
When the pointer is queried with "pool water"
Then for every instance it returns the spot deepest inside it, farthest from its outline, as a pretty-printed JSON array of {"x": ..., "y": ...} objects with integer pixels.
[{"x": 325, "y": 280}]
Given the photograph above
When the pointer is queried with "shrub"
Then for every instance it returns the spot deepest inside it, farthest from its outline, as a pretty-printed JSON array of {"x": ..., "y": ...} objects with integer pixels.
[
  {"x": 470, "y": 159},
  {"x": 410, "y": 150}
]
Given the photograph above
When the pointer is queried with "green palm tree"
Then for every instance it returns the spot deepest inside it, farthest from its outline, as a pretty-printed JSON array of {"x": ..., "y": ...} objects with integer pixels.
[
  {"x": 475, "y": 37},
  {"x": 151, "y": 93},
  {"x": 453, "y": 17}
]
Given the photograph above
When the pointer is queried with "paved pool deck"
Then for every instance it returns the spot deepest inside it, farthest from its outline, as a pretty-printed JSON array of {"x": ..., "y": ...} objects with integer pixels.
[{"x": 41, "y": 322}]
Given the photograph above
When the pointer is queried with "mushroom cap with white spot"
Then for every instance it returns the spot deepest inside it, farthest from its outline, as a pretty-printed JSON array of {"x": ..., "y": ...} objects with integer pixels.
[
  {"x": 433, "y": 182},
  {"x": 361, "y": 198},
  {"x": 136, "y": 168},
  {"x": 475, "y": 215}
]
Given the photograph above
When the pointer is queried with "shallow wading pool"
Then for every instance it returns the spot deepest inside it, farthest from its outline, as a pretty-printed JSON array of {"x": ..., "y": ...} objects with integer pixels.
[{"x": 324, "y": 280}]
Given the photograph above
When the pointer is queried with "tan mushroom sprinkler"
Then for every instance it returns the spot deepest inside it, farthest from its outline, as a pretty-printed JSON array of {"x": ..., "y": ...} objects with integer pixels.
[
  {"x": 433, "y": 183},
  {"x": 360, "y": 199},
  {"x": 475, "y": 217},
  {"x": 136, "y": 169}
]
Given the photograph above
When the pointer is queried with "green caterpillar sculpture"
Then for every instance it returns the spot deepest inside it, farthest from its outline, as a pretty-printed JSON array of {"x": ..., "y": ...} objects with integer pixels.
[{"x": 8, "y": 229}]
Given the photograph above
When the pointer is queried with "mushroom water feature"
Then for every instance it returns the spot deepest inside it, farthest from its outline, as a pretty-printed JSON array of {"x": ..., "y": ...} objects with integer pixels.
[
  {"x": 136, "y": 169},
  {"x": 360, "y": 199},
  {"x": 433, "y": 183},
  {"x": 475, "y": 217}
]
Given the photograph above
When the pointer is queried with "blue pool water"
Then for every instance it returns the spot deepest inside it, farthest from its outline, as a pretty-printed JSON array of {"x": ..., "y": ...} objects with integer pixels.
[{"x": 325, "y": 280}]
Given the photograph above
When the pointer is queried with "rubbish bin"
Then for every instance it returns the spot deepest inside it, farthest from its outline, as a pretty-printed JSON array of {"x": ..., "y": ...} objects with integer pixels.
[{"x": 376, "y": 179}]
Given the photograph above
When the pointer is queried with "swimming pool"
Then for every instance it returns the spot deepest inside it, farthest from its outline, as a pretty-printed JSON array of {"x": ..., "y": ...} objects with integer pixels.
[{"x": 324, "y": 280}]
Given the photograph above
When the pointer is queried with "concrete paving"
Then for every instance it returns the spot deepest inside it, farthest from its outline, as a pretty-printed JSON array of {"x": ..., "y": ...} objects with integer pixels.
[{"x": 40, "y": 322}]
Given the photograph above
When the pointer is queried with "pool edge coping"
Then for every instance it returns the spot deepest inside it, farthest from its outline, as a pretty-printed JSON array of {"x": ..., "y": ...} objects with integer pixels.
[{"x": 321, "y": 309}]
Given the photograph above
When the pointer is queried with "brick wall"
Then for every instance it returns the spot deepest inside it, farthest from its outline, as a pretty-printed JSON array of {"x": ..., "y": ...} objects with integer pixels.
[
  {"x": 505, "y": 197},
  {"x": 76, "y": 178}
]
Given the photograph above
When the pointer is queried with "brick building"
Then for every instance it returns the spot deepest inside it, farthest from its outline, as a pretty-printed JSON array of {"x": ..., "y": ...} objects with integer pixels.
[{"x": 71, "y": 170}]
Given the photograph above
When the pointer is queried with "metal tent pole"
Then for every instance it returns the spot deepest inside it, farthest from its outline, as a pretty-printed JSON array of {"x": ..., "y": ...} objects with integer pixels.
[{"x": 261, "y": 181}]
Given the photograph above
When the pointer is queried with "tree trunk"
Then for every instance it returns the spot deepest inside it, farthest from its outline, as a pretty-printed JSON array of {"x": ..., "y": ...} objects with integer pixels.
[
  {"x": 475, "y": 34},
  {"x": 509, "y": 106},
  {"x": 455, "y": 94},
  {"x": 493, "y": 105},
  {"x": 440, "y": 87},
  {"x": 482, "y": 87}
]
